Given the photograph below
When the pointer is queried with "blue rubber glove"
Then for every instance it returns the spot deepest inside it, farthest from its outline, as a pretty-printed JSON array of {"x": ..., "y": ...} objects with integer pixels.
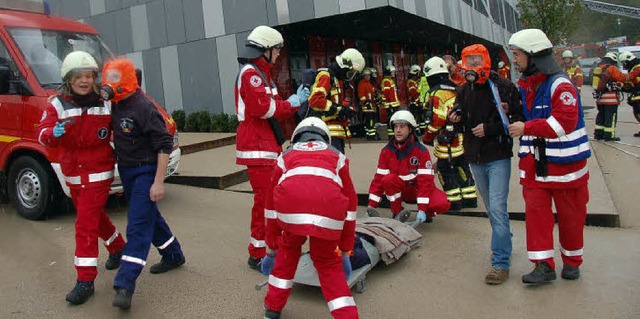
[
  {"x": 58, "y": 130},
  {"x": 346, "y": 266},
  {"x": 303, "y": 93},
  {"x": 267, "y": 264},
  {"x": 421, "y": 217},
  {"x": 294, "y": 100}
]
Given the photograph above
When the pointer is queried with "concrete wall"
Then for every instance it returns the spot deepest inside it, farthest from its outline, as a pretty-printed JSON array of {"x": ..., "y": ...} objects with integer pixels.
[{"x": 187, "y": 48}]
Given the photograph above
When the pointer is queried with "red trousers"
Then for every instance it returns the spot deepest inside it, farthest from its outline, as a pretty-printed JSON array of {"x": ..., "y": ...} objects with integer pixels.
[
  {"x": 398, "y": 191},
  {"x": 92, "y": 222},
  {"x": 329, "y": 266},
  {"x": 260, "y": 180},
  {"x": 571, "y": 206}
]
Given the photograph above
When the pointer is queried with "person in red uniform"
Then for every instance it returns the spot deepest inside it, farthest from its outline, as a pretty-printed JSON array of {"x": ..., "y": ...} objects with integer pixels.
[
  {"x": 311, "y": 195},
  {"x": 504, "y": 71},
  {"x": 405, "y": 173},
  {"x": 631, "y": 63},
  {"x": 572, "y": 69},
  {"x": 78, "y": 121},
  {"x": 328, "y": 99},
  {"x": 367, "y": 94},
  {"x": 607, "y": 81},
  {"x": 413, "y": 90},
  {"x": 389, "y": 94},
  {"x": 554, "y": 147}
]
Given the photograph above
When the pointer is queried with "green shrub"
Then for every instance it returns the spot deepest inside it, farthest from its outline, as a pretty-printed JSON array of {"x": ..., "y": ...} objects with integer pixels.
[
  {"x": 219, "y": 122},
  {"x": 233, "y": 124},
  {"x": 204, "y": 121},
  {"x": 180, "y": 118},
  {"x": 192, "y": 122}
]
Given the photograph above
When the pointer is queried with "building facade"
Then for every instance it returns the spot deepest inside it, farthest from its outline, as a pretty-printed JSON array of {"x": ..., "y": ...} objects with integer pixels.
[{"x": 187, "y": 49}]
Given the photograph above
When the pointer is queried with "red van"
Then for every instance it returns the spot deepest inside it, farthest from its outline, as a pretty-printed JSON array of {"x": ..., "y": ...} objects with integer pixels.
[{"x": 32, "y": 47}]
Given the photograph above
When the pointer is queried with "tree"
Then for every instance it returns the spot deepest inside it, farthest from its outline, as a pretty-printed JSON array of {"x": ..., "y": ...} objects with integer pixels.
[{"x": 557, "y": 18}]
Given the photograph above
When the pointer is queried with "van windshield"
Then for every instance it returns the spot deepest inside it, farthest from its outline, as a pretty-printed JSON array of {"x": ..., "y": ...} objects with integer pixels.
[{"x": 44, "y": 51}]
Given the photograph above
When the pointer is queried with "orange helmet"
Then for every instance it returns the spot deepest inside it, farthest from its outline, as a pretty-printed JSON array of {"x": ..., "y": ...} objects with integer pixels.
[
  {"x": 118, "y": 79},
  {"x": 477, "y": 63}
]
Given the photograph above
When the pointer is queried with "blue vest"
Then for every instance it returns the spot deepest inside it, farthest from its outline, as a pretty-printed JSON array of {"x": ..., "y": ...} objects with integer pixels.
[{"x": 573, "y": 146}]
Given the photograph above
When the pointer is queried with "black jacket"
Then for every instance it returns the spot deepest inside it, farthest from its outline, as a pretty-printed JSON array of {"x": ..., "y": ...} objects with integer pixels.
[{"x": 478, "y": 106}]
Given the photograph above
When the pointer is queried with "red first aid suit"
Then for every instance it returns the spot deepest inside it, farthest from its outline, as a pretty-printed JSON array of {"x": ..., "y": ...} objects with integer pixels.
[
  {"x": 87, "y": 162},
  {"x": 311, "y": 195},
  {"x": 405, "y": 173},
  {"x": 257, "y": 100}
]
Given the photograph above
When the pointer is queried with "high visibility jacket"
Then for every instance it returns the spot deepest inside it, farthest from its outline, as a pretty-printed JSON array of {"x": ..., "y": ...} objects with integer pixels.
[
  {"x": 609, "y": 73},
  {"x": 423, "y": 88},
  {"x": 576, "y": 75},
  {"x": 389, "y": 92},
  {"x": 366, "y": 94},
  {"x": 327, "y": 91},
  {"x": 505, "y": 72},
  {"x": 441, "y": 101},
  {"x": 634, "y": 81},
  {"x": 86, "y": 156},
  {"x": 257, "y": 100},
  {"x": 413, "y": 88},
  {"x": 312, "y": 194},
  {"x": 412, "y": 163},
  {"x": 553, "y": 112}
]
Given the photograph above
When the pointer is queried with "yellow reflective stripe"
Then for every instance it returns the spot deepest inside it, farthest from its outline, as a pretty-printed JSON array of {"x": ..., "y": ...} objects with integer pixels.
[{"x": 9, "y": 138}]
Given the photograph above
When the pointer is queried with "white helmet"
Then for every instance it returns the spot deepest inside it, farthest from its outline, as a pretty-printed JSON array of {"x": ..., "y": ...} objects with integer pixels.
[
  {"x": 567, "y": 54},
  {"x": 435, "y": 65},
  {"x": 500, "y": 65},
  {"x": 366, "y": 71},
  {"x": 538, "y": 47},
  {"x": 390, "y": 68},
  {"x": 626, "y": 56},
  {"x": 403, "y": 116},
  {"x": 77, "y": 60},
  {"x": 311, "y": 125},
  {"x": 414, "y": 69},
  {"x": 351, "y": 59},
  {"x": 612, "y": 56},
  {"x": 264, "y": 37}
]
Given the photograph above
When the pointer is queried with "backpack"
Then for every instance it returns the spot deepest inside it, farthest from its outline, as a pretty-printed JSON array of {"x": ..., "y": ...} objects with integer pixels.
[
  {"x": 600, "y": 78},
  {"x": 308, "y": 78}
]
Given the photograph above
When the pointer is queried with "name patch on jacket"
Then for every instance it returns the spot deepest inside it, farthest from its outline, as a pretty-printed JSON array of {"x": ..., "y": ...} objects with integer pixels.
[
  {"x": 126, "y": 124},
  {"x": 310, "y": 146}
]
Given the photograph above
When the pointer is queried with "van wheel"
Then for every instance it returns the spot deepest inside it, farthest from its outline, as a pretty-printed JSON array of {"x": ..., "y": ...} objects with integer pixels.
[{"x": 31, "y": 188}]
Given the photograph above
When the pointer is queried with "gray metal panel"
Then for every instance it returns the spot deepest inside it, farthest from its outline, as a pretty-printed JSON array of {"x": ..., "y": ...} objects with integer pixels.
[
  {"x": 325, "y": 8},
  {"x": 138, "y": 63},
  {"x": 244, "y": 15},
  {"x": 347, "y": 6},
  {"x": 213, "y": 18},
  {"x": 282, "y": 7},
  {"x": 140, "y": 28},
  {"x": 199, "y": 76},
  {"x": 300, "y": 10},
  {"x": 228, "y": 66},
  {"x": 145, "y": 1},
  {"x": 75, "y": 9},
  {"x": 435, "y": 11},
  {"x": 157, "y": 24},
  {"x": 409, "y": 6},
  {"x": 128, "y": 3},
  {"x": 193, "y": 19},
  {"x": 175, "y": 22},
  {"x": 97, "y": 7},
  {"x": 377, "y": 3},
  {"x": 241, "y": 38},
  {"x": 111, "y": 5},
  {"x": 272, "y": 12},
  {"x": 447, "y": 12},
  {"x": 123, "y": 31},
  {"x": 396, "y": 3},
  {"x": 171, "y": 84},
  {"x": 421, "y": 8},
  {"x": 152, "y": 74},
  {"x": 105, "y": 25}
]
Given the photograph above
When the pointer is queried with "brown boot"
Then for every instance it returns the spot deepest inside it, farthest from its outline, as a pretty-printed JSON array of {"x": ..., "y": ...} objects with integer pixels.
[{"x": 496, "y": 276}]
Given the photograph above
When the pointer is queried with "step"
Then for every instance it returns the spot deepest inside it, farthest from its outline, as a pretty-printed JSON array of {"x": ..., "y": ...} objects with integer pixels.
[
  {"x": 196, "y": 142},
  {"x": 211, "y": 168}
]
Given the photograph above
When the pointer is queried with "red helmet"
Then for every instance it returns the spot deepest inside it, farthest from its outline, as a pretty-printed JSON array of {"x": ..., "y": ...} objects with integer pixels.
[
  {"x": 118, "y": 79},
  {"x": 477, "y": 63}
]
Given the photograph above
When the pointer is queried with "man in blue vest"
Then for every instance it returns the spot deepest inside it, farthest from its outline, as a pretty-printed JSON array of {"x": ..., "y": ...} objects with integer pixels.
[{"x": 554, "y": 147}]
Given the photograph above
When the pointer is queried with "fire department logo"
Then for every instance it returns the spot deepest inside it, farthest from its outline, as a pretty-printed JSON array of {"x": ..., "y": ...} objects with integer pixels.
[
  {"x": 310, "y": 146},
  {"x": 255, "y": 80},
  {"x": 126, "y": 124},
  {"x": 567, "y": 98},
  {"x": 414, "y": 161},
  {"x": 102, "y": 133},
  {"x": 429, "y": 165}
]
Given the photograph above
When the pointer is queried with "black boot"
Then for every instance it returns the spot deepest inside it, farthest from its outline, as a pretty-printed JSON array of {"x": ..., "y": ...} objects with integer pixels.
[
  {"x": 254, "y": 263},
  {"x": 114, "y": 261},
  {"x": 80, "y": 293},
  {"x": 636, "y": 134},
  {"x": 455, "y": 206},
  {"x": 570, "y": 272},
  {"x": 270, "y": 314},
  {"x": 165, "y": 265},
  {"x": 541, "y": 273},
  {"x": 122, "y": 299},
  {"x": 470, "y": 203}
]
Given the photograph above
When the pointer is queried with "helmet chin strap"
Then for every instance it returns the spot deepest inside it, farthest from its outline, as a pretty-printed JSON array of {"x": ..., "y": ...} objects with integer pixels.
[{"x": 531, "y": 69}]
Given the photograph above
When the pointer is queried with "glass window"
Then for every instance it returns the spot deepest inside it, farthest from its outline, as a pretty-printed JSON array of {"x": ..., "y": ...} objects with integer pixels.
[
  {"x": 8, "y": 69},
  {"x": 480, "y": 6}
]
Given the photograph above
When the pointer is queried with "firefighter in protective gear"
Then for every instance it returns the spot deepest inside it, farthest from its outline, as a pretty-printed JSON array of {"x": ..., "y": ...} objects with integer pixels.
[
  {"x": 607, "y": 83},
  {"x": 504, "y": 70},
  {"x": 405, "y": 172},
  {"x": 328, "y": 98},
  {"x": 259, "y": 136},
  {"x": 572, "y": 69},
  {"x": 367, "y": 95},
  {"x": 554, "y": 147},
  {"x": 413, "y": 90},
  {"x": 453, "y": 169},
  {"x": 79, "y": 123},
  {"x": 322, "y": 206},
  {"x": 631, "y": 63},
  {"x": 423, "y": 89},
  {"x": 390, "y": 93}
]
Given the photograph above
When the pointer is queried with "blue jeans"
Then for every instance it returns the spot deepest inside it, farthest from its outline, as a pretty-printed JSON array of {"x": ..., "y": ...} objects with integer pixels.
[{"x": 492, "y": 180}]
